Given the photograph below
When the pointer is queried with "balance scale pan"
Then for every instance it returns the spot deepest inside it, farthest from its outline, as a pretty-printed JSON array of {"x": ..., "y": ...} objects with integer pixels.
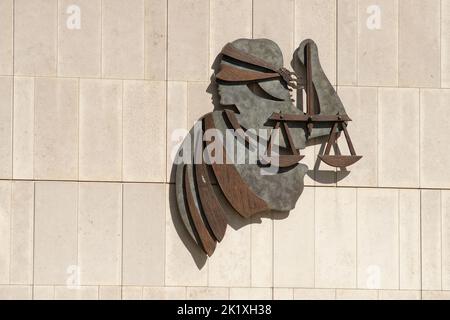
[{"x": 339, "y": 161}]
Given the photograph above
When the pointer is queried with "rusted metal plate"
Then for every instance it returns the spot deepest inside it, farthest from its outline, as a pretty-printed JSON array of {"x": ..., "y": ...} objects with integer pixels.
[
  {"x": 231, "y": 117},
  {"x": 281, "y": 190},
  {"x": 287, "y": 132},
  {"x": 267, "y": 70},
  {"x": 207, "y": 241},
  {"x": 211, "y": 206},
  {"x": 231, "y": 51},
  {"x": 228, "y": 73},
  {"x": 283, "y": 161},
  {"x": 304, "y": 117},
  {"x": 339, "y": 161},
  {"x": 310, "y": 106},
  {"x": 236, "y": 191}
]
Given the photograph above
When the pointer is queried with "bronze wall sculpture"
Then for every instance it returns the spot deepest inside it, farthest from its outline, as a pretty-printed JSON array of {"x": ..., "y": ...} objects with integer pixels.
[{"x": 255, "y": 91}]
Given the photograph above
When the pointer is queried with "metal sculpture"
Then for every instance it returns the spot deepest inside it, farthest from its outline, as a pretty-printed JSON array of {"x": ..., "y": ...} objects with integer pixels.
[{"x": 252, "y": 80}]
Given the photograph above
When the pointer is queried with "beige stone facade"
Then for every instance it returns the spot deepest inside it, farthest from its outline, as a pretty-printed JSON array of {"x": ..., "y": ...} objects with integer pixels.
[{"x": 86, "y": 117}]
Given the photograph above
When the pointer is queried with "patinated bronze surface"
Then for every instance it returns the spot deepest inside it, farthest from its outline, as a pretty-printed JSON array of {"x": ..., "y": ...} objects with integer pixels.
[{"x": 255, "y": 89}]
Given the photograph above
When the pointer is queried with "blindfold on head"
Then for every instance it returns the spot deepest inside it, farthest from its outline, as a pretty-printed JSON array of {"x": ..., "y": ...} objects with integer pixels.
[{"x": 256, "y": 68}]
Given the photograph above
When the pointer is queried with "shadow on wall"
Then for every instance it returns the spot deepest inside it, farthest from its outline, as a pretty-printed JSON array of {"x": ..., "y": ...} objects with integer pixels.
[{"x": 234, "y": 219}]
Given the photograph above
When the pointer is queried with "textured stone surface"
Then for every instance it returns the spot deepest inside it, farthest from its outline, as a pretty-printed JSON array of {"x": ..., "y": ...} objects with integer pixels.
[
  {"x": 109, "y": 293},
  {"x": 378, "y": 63},
  {"x": 348, "y": 294},
  {"x": 56, "y": 129},
  {"x": 100, "y": 233},
  {"x": 250, "y": 294},
  {"x": 207, "y": 293},
  {"x": 314, "y": 294},
  {"x": 398, "y": 137},
  {"x": 5, "y": 234},
  {"x": 164, "y": 293},
  {"x": 230, "y": 266},
  {"x": 23, "y": 128},
  {"x": 409, "y": 233},
  {"x": 35, "y": 35},
  {"x": 283, "y": 294},
  {"x": 261, "y": 252},
  {"x": 294, "y": 245},
  {"x": 377, "y": 247},
  {"x": 43, "y": 292},
  {"x": 56, "y": 234},
  {"x": 445, "y": 239},
  {"x": 335, "y": 236},
  {"x": 361, "y": 104},
  {"x": 431, "y": 235},
  {"x": 144, "y": 127},
  {"x": 433, "y": 157},
  {"x": 419, "y": 44},
  {"x": 123, "y": 39},
  {"x": 316, "y": 19},
  {"x": 155, "y": 29},
  {"x": 79, "y": 50},
  {"x": 445, "y": 44},
  {"x": 347, "y": 49},
  {"x": 181, "y": 252},
  {"x": 6, "y": 37},
  {"x": 264, "y": 19},
  {"x": 436, "y": 295},
  {"x": 80, "y": 293},
  {"x": 230, "y": 20},
  {"x": 144, "y": 234},
  {"x": 177, "y": 109},
  {"x": 132, "y": 293},
  {"x": 399, "y": 295},
  {"x": 6, "y": 126},
  {"x": 188, "y": 47},
  {"x": 101, "y": 132},
  {"x": 15, "y": 292},
  {"x": 22, "y": 232}
]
